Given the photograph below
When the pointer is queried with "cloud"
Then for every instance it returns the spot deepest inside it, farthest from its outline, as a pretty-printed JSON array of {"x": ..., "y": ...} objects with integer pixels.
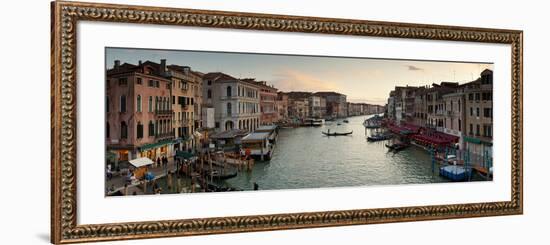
[
  {"x": 414, "y": 68},
  {"x": 292, "y": 80}
]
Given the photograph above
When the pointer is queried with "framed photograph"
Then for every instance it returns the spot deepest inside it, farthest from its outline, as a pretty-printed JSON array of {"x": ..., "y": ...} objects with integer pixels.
[{"x": 175, "y": 122}]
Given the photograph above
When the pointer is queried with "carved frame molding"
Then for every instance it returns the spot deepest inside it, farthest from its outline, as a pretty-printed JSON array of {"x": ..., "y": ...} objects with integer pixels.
[{"x": 65, "y": 16}]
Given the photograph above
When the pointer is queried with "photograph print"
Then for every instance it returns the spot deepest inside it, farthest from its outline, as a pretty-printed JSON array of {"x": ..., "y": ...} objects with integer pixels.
[{"x": 180, "y": 121}]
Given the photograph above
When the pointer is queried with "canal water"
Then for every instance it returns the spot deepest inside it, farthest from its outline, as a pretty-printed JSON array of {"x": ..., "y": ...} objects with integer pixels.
[{"x": 305, "y": 158}]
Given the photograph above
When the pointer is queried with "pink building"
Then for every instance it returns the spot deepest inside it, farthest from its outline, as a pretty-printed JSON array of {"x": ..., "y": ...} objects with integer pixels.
[
  {"x": 138, "y": 111},
  {"x": 268, "y": 107}
]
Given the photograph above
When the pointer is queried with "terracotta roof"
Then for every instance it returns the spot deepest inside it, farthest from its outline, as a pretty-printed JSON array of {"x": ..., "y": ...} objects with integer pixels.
[
  {"x": 298, "y": 94},
  {"x": 329, "y": 93},
  {"x": 218, "y": 76}
]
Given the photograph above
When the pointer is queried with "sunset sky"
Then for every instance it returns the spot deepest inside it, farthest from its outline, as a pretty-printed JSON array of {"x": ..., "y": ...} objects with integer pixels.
[{"x": 361, "y": 79}]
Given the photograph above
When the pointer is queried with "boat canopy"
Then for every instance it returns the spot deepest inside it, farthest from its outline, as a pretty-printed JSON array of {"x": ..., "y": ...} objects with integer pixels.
[
  {"x": 141, "y": 162},
  {"x": 230, "y": 134},
  {"x": 266, "y": 128},
  {"x": 255, "y": 137}
]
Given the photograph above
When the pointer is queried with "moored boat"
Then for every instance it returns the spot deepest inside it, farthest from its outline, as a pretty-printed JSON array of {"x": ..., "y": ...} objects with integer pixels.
[
  {"x": 258, "y": 145},
  {"x": 379, "y": 137},
  {"x": 337, "y": 134},
  {"x": 454, "y": 172}
]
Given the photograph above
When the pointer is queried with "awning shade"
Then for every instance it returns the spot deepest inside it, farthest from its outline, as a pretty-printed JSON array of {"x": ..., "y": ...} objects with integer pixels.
[
  {"x": 140, "y": 162},
  {"x": 155, "y": 145},
  {"x": 184, "y": 154}
]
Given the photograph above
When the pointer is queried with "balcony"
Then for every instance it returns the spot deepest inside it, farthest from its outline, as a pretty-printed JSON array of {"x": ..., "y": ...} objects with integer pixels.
[
  {"x": 163, "y": 112},
  {"x": 164, "y": 135}
]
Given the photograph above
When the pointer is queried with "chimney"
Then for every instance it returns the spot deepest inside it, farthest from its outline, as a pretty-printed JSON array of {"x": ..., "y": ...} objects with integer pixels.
[
  {"x": 140, "y": 63},
  {"x": 117, "y": 64},
  {"x": 162, "y": 66}
]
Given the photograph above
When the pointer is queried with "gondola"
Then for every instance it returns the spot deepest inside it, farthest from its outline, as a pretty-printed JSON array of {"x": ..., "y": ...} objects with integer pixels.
[
  {"x": 378, "y": 137},
  {"x": 397, "y": 147},
  {"x": 337, "y": 134}
]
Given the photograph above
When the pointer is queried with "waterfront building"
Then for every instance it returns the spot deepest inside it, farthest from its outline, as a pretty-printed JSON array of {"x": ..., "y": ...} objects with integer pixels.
[
  {"x": 454, "y": 115},
  {"x": 298, "y": 105},
  {"x": 404, "y": 104},
  {"x": 186, "y": 105},
  {"x": 390, "y": 107},
  {"x": 268, "y": 107},
  {"x": 317, "y": 106},
  {"x": 336, "y": 104},
  {"x": 435, "y": 106},
  {"x": 356, "y": 109},
  {"x": 478, "y": 97},
  {"x": 420, "y": 115},
  {"x": 282, "y": 106},
  {"x": 138, "y": 111},
  {"x": 298, "y": 108},
  {"x": 236, "y": 102}
]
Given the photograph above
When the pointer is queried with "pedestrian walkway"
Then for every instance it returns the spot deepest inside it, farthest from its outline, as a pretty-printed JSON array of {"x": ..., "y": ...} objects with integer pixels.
[{"x": 118, "y": 181}]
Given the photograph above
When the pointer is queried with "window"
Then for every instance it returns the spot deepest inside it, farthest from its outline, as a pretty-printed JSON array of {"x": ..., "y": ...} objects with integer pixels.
[
  {"x": 229, "y": 109},
  {"x": 228, "y": 91},
  {"x": 107, "y": 130},
  {"x": 487, "y": 96},
  {"x": 470, "y": 97},
  {"x": 477, "y": 112},
  {"x": 471, "y": 111},
  {"x": 107, "y": 104},
  {"x": 459, "y": 125},
  {"x": 151, "y": 83},
  {"x": 192, "y": 101},
  {"x": 477, "y": 97},
  {"x": 123, "y": 81},
  {"x": 150, "y": 104},
  {"x": 217, "y": 124},
  {"x": 139, "y": 81},
  {"x": 123, "y": 130},
  {"x": 488, "y": 112},
  {"x": 139, "y": 103},
  {"x": 477, "y": 129},
  {"x": 210, "y": 83},
  {"x": 209, "y": 94},
  {"x": 139, "y": 132},
  {"x": 156, "y": 103},
  {"x": 471, "y": 129},
  {"x": 123, "y": 103},
  {"x": 157, "y": 84},
  {"x": 151, "y": 128}
]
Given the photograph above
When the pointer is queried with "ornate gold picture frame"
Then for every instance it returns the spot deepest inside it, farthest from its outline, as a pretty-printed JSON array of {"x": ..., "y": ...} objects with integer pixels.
[{"x": 66, "y": 15}]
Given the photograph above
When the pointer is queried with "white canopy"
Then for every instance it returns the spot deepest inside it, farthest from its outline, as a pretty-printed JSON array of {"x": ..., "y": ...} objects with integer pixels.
[{"x": 140, "y": 162}]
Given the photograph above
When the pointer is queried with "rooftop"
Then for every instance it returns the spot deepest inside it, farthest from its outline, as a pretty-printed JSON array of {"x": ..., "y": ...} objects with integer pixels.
[{"x": 256, "y": 136}]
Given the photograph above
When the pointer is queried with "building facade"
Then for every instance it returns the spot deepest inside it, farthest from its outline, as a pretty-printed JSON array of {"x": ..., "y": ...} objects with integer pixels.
[
  {"x": 282, "y": 106},
  {"x": 268, "y": 106},
  {"x": 236, "y": 102},
  {"x": 317, "y": 106},
  {"x": 186, "y": 105},
  {"x": 138, "y": 112},
  {"x": 478, "y": 116},
  {"x": 336, "y": 104}
]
